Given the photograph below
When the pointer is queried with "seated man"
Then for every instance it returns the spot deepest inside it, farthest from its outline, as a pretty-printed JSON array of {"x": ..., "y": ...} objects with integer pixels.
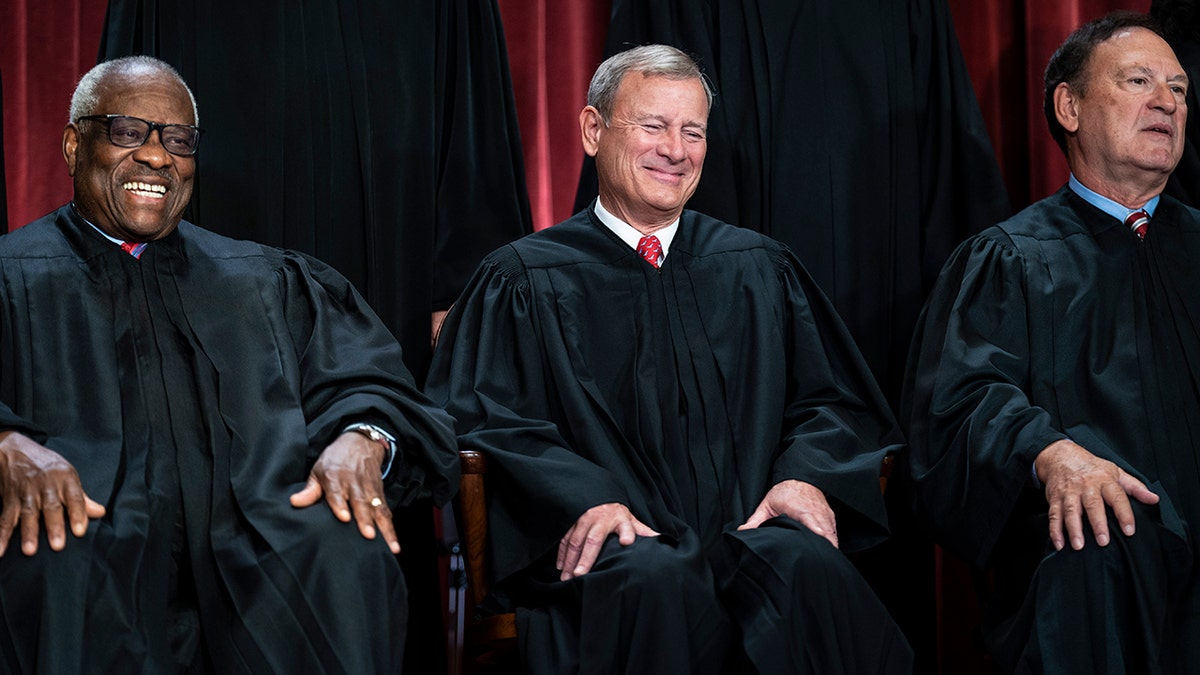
[
  {"x": 680, "y": 431},
  {"x": 176, "y": 400},
  {"x": 1051, "y": 401}
]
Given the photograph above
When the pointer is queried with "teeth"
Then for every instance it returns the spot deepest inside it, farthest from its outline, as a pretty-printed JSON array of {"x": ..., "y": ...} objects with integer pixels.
[{"x": 146, "y": 189}]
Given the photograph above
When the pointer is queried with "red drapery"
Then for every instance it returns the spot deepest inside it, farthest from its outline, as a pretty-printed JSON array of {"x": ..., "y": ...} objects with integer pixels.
[
  {"x": 1006, "y": 44},
  {"x": 44, "y": 48},
  {"x": 553, "y": 47}
]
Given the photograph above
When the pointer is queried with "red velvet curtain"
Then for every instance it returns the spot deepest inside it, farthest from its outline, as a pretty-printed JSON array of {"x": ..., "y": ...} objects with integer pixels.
[
  {"x": 553, "y": 47},
  {"x": 1006, "y": 44},
  {"x": 44, "y": 48}
]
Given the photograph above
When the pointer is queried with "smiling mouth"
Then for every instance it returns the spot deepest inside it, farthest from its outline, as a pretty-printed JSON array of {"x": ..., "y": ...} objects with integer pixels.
[
  {"x": 146, "y": 189},
  {"x": 664, "y": 174}
]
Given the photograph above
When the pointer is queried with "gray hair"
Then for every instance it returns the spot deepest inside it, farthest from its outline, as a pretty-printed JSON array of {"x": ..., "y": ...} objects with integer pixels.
[
  {"x": 653, "y": 60},
  {"x": 86, "y": 98}
]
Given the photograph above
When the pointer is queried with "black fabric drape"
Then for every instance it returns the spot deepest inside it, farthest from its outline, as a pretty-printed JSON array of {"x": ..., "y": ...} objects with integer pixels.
[
  {"x": 378, "y": 136},
  {"x": 849, "y": 131}
]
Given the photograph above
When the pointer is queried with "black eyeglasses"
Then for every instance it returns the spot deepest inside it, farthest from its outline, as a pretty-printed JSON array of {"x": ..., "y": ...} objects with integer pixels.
[{"x": 132, "y": 132}]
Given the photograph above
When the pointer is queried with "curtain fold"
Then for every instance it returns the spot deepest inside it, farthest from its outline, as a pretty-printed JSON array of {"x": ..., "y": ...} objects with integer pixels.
[
  {"x": 1006, "y": 44},
  {"x": 553, "y": 48},
  {"x": 44, "y": 48}
]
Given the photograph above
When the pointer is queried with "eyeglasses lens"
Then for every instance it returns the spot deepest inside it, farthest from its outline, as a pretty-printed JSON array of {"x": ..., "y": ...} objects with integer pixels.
[{"x": 131, "y": 132}]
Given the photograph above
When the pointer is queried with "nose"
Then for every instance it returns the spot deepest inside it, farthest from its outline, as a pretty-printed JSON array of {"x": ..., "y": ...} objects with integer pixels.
[
  {"x": 152, "y": 153},
  {"x": 671, "y": 146},
  {"x": 1164, "y": 98}
]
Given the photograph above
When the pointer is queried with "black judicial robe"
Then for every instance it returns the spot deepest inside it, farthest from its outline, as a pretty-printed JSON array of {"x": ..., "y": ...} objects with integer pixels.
[
  {"x": 379, "y": 136},
  {"x": 686, "y": 392},
  {"x": 1058, "y": 323},
  {"x": 864, "y": 113},
  {"x": 197, "y": 385}
]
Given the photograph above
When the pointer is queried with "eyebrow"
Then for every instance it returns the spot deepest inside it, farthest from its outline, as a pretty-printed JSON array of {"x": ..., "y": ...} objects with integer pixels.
[{"x": 1146, "y": 70}]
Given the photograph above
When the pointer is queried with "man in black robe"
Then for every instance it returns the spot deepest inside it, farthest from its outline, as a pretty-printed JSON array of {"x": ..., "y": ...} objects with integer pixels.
[
  {"x": 179, "y": 400},
  {"x": 681, "y": 434},
  {"x": 1051, "y": 401}
]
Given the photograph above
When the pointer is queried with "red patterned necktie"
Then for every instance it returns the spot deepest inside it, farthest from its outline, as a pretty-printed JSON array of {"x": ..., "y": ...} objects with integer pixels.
[
  {"x": 1138, "y": 221},
  {"x": 650, "y": 249},
  {"x": 133, "y": 248}
]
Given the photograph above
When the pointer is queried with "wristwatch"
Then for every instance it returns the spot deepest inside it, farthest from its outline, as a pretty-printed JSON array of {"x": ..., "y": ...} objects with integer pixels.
[
  {"x": 379, "y": 436},
  {"x": 370, "y": 431}
]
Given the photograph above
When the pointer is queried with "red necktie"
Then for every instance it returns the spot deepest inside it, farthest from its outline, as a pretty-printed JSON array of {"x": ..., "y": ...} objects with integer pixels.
[
  {"x": 650, "y": 249},
  {"x": 1139, "y": 222},
  {"x": 133, "y": 248}
]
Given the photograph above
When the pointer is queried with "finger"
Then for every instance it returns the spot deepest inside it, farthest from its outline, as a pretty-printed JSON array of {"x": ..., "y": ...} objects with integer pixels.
[
  {"x": 310, "y": 494},
  {"x": 79, "y": 508},
  {"x": 590, "y": 551},
  {"x": 8, "y": 522},
  {"x": 1122, "y": 508},
  {"x": 383, "y": 522},
  {"x": 1056, "y": 525},
  {"x": 364, "y": 516},
  {"x": 573, "y": 552},
  {"x": 1073, "y": 521},
  {"x": 337, "y": 503},
  {"x": 30, "y": 513},
  {"x": 1136, "y": 489},
  {"x": 625, "y": 533},
  {"x": 1097, "y": 515},
  {"x": 563, "y": 547},
  {"x": 52, "y": 516}
]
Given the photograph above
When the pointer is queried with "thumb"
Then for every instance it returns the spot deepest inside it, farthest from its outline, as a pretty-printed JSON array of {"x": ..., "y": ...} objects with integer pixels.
[
  {"x": 94, "y": 509},
  {"x": 757, "y": 518},
  {"x": 1136, "y": 488},
  {"x": 643, "y": 530},
  {"x": 309, "y": 495}
]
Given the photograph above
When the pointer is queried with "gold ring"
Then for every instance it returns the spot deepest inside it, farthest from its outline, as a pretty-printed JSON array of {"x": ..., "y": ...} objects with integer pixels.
[{"x": 377, "y": 502}]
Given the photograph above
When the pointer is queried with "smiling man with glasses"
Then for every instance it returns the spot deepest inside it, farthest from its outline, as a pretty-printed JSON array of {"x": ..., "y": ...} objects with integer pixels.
[{"x": 177, "y": 400}]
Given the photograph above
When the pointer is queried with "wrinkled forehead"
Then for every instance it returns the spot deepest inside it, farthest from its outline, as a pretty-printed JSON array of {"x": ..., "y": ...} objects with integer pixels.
[{"x": 1137, "y": 48}]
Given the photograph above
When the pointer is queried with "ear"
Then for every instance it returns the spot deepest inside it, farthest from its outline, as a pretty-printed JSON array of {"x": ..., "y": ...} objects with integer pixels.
[
  {"x": 1066, "y": 107},
  {"x": 591, "y": 125},
  {"x": 70, "y": 147}
]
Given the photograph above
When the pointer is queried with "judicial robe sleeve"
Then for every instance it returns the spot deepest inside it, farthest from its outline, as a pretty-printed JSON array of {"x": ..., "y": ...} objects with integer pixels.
[
  {"x": 500, "y": 395},
  {"x": 351, "y": 370},
  {"x": 972, "y": 431},
  {"x": 837, "y": 426}
]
